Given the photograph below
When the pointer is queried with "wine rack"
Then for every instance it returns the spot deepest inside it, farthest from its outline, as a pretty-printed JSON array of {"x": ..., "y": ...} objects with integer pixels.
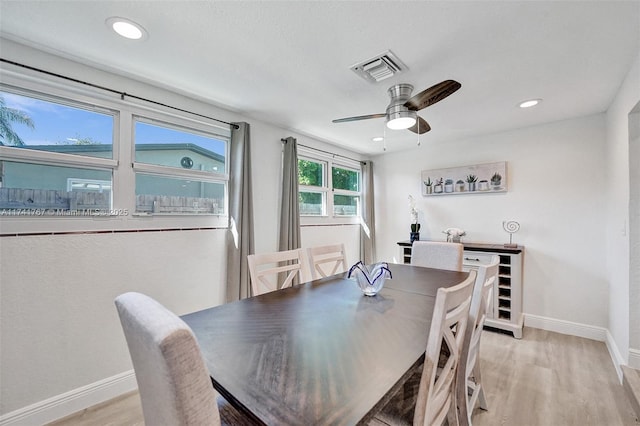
[{"x": 506, "y": 310}]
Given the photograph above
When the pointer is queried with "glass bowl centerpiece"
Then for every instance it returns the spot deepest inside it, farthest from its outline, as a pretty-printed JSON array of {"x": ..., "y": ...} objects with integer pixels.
[{"x": 370, "y": 278}]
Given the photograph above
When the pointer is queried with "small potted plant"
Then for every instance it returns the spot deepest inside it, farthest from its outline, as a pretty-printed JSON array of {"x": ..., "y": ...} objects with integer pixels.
[
  {"x": 459, "y": 185},
  {"x": 448, "y": 185},
  {"x": 483, "y": 185},
  {"x": 471, "y": 180},
  {"x": 496, "y": 180},
  {"x": 428, "y": 186},
  {"x": 437, "y": 188}
]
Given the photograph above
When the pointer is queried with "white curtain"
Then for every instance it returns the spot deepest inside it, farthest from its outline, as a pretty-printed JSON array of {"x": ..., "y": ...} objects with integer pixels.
[
  {"x": 240, "y": 237},
  {"x": 367, "y": 229}
]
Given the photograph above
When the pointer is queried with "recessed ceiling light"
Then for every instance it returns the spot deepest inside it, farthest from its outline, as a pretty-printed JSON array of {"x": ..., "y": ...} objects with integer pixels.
[
  {"x": 377, "y": 139},
  {"x": 529, "y": 103},
  {"x": 126, "y": 28}
]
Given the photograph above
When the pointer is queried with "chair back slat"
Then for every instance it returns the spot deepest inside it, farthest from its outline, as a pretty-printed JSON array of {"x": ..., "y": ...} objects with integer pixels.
[
  {"x": 328, "y": 260},
  {"x": 277, "y": 270},
  {"x": 436, "y": 394},
  {"x": 469, "y": 385}
]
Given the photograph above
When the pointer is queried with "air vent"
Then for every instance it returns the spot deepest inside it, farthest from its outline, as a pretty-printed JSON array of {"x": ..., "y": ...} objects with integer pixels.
[{"x": 380, "y": 67}]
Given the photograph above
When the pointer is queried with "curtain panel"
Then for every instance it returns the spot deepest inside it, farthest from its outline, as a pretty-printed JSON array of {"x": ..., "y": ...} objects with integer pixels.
[
  {"x": 240, "y": 237},
  {"x": 367, "y": 224},
  {"x": 289, "y": 238}
]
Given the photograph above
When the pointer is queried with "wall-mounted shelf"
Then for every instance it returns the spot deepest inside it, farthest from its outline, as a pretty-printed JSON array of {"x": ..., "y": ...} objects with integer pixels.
[{"x": 506, "y": 311}]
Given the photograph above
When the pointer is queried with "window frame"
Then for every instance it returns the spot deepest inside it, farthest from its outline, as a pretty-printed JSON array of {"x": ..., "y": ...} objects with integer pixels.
[
  {"x": 176, "y": 172},
  {"x": 121, "y": 165},
  {"x": 323, "y": 189},
  {"x": 330, "y": 161},
  {"x": 347, "y": 192}
]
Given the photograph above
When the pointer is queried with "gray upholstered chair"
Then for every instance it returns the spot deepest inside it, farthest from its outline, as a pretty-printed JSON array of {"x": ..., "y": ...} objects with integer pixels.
[
  {"x": 440, "y": 255},
  {"x": 173, "y": 381},
  {"x": 469, "y": 381}
]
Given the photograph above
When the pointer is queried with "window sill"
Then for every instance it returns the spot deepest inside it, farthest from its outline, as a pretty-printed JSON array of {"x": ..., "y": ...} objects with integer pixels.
[
  {"x": 327, "y": 221},
  {"x": 19, "y": 225}
]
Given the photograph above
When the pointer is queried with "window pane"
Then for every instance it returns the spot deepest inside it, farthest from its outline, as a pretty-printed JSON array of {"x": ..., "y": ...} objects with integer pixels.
[
  {"x": 156, "y": 194},
  {"x": 345, "y": 205},
  {"x": 345, "y": 179},
  {"x": 53, "y": 188},
  {"x": 311, "y": 203},
  {"x": 47, "y": 126},
  {"x": 310, "y": 173},
  {"x": 169, "y": 146}
]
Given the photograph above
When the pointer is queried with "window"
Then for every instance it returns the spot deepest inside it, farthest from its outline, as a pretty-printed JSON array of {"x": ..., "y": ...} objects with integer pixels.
[
  {"x": 56, "y": 146},
  {"x": 55, "y": 125},
  {"x": 334, "y": 194},
  {"x": 178, "y": 170},
  {"x": 72, "y": 151},
  {"x": 346, "y": 191},
  {"x": 312, "y": 187}
]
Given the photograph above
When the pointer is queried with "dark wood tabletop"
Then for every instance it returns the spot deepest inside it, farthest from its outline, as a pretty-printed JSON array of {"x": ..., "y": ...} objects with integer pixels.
[{"x": 320, "y": 353}]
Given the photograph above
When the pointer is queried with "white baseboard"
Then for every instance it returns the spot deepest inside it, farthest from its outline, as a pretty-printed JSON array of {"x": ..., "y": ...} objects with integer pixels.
[
  {"x": 634, "y": 358},
  {"x": 600, "y": 334},
  {"x": 566, "y": 327},
  {"x": 616, "y": 356},
  {"x": 70, "y": 402}
]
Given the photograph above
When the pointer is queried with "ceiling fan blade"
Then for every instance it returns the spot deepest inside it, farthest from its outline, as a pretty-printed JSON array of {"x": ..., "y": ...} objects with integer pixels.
[
  {"x": 420, "y": 127},
  {"x": 432, "y": 95},
  {"x": 360, "y": 117}
]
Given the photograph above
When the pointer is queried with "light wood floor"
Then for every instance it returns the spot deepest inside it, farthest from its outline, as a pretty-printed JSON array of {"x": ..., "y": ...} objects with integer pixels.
[{"x": 544, "y": 379}]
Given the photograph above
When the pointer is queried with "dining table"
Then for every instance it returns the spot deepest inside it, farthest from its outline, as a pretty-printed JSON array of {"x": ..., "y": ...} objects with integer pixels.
[{"x": 321, "y": 352}]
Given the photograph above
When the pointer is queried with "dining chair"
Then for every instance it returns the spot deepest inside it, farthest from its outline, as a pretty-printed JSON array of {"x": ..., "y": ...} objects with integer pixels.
[
  {"x": 325, "y": 261},
  {"x": 174, "y": 383},
  {"x": 435, "y": 254},
  {"x": 429, "y": 395},
  {"x": 469, "y": 382},
  {"x": 281, "y": 269}
]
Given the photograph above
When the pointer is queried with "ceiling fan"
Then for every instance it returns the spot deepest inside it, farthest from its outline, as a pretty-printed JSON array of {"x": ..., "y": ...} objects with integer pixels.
[{"x": 401, "y": 111}]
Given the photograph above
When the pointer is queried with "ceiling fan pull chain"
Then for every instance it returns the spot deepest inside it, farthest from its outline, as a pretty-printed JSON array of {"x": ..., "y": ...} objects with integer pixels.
[
  {"x": 384, "y": 137},
  {"x": 418, "y": 133}
]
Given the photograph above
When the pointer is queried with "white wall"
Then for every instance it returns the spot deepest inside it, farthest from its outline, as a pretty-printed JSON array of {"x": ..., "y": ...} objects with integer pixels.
[
  {"x": 634, "y": 234},
  {"x": 61, "y": 339},
  {"x": 618, "y": 164},
  {"x": 556, "y": 191},
  {"x": 347, "y": 234},
  {"x": 60, "y": 330}
]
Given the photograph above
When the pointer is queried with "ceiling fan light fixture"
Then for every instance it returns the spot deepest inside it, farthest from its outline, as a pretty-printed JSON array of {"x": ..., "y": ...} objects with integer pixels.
[{"x": 401, "y": 120}]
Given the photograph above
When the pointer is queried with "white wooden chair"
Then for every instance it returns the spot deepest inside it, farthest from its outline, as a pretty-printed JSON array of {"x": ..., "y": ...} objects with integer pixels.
[
  {"x": 325, "y": 261},
  {"x": 173, "y": 381},
  {"x": 440, "y": 255},
  {"x": 429, "y": 396},
  {"x": 469, "y": 381},
  {"x": 273, "y": 271}
]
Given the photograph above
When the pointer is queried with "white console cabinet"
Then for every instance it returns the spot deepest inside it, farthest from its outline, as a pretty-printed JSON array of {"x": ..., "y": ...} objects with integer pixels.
[{"x": 506, "y": 310}]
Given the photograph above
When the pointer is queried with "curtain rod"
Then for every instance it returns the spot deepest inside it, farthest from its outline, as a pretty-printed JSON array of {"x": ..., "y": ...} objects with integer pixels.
[
  {"x": 327, "y": 152},
  {"x": 122, "y": 94}
]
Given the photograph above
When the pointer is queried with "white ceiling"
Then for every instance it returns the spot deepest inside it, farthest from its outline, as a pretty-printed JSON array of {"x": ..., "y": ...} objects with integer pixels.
[{"x": 288, "y": 62}]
